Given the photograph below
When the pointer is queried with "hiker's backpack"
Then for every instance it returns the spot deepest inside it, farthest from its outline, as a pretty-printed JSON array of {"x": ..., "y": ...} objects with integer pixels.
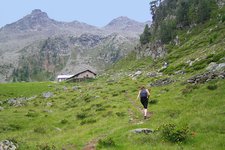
[{"x": 143, "y": 93}]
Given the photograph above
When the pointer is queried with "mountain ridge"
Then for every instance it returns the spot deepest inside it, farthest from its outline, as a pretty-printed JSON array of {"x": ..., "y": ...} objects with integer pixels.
[{"x": 88, "y": 42}]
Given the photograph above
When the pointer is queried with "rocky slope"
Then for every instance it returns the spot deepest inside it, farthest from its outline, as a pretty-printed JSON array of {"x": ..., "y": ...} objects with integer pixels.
[{"x": 60, "y": 47}]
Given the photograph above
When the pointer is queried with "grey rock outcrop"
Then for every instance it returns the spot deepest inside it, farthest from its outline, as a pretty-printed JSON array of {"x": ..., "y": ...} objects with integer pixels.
[
  {"x": 214, "y": 67},
  {"x": 142, "y": 130},
  {"x": 153, "y": 74},
  {"x": 162, "y": 82},
  {"x": 154, "y": 50},
  {"x": 17, "y": 102},
  {"x": 47, "y": 94},
  {"x": 205, "y": 77},
  {"x": 7, "y": 145}
]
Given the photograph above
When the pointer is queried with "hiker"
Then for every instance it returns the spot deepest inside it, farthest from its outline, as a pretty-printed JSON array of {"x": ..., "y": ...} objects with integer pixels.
[{"x": 144, "y": 94}]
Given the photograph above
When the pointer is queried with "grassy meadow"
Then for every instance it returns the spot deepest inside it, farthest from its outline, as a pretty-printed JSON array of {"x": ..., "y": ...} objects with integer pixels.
[{"x": 103, "y": 112}]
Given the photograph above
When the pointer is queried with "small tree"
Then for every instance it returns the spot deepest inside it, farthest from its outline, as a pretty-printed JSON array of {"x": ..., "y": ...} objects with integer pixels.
[
  {"x": 203, "y": 11},
  {"x": 167, "y": 31},
  {"x": 182, "y": 14},
  {"x": 146, "y": 35}
]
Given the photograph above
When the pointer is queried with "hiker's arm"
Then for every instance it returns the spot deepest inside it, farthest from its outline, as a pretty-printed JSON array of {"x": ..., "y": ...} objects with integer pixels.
[
  {"x": 148, "y": 92},
  {"x": 138, "y": 95}
]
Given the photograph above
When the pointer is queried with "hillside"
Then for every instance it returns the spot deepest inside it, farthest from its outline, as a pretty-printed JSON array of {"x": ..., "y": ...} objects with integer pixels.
[{"x": 186, "y": 106}]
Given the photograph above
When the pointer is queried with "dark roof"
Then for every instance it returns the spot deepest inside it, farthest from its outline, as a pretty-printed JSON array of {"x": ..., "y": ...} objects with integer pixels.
[{"x": 83, "y": 72}]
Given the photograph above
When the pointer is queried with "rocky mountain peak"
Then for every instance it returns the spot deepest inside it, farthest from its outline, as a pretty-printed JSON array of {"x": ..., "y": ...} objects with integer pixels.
[
  {"x": 37, "y": 13},
  {"x": 33, "y": 21},
  {"x": 36, "y": 18},
  {"x": 123, "y": 20},
  {"x": 124, "y": 24}
]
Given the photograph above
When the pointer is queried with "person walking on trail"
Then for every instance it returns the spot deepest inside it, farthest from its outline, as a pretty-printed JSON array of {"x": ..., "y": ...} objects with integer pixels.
[{"x": 144, "y": 94}]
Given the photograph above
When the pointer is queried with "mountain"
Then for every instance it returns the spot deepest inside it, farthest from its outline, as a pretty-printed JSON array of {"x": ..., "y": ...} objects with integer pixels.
[
  {"x": 62, "y": 47},
  {"x": 125, "y": 25}
]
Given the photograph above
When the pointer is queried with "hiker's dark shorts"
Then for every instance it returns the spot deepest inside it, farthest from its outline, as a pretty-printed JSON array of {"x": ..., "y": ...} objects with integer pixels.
[{"x": 144, "y": 101}]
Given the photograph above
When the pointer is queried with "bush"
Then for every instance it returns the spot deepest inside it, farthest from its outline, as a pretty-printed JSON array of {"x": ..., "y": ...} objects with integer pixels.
[
  {"x": 100, "y": 109},
  {"x": 64, "y": 121},
  {"x": 169, "y": 70},
  {"x": 223, "y": 18},
  {"x": 10, "y": 127},
  {"x": 189, "y": 88},
  {"x": 71, "y": 104},
  {"x": 174, "y": 134},
  {"x": 212, "y": 87},
  {"x": 108, "y": 142},
  {"x": 200, "y": 64},
  {"x": 32, "y": 114},
  {"x": 41, "y": 130},
  {"x": 115, "y": 94},
  {"x": 217, "y": 57},
  {"x": 153, "y": 101},
  {"x": 45, "y": 147},
  {"x": 88, "y": 121},
  {"x": 81, "y": 115},
  {"x": 87, "y": 98},
  {"x": 120, "y": 114}
]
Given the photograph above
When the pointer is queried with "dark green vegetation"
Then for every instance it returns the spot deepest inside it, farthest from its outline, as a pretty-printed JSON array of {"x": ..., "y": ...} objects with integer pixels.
[
  {"x": 171, "y": 16},
  {"x": 105, "y": 111}
]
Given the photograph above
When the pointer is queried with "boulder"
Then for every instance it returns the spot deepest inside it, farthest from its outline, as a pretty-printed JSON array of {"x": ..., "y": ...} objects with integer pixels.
[
  {"x": 220, "y": 67},
  {"x": 1, "y": 108},
  {"x": 142, "y": 130},
  {"x": 7, "y": 145},
  {"x": 137, "y": 73},
  {"x": 212, "y": 66},
  {"x": 49, "y": 104},
  {"x": 162, "y": 82},
  {"x": 153, "y": 74},
  {"x": 17, "y": 102},
  {"x": 75, "y": 88},
  {"x": 47, "y": 94}
]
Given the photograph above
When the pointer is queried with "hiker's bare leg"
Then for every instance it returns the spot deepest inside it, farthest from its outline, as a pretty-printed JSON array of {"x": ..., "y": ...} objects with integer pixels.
[{"x": 145, "y": 112}]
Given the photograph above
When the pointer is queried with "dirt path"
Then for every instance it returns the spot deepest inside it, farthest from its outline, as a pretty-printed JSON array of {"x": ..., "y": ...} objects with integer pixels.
[
  {"x": 133, "y": 119},
  {"x": 91, "y": 145},
  {"x": 138, "y": 107}
]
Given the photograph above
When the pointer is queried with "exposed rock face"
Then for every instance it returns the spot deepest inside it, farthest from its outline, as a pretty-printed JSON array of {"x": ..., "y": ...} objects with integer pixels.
[{"x": 155, "y": 50}]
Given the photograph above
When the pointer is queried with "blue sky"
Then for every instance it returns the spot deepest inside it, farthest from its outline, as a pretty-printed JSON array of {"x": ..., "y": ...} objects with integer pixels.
[{"x": 93, "y": 12}]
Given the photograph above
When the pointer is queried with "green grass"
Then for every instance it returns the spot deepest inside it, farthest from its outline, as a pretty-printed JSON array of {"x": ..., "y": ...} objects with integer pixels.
[
  {"x": 105, "y": 110},
  {"x": 25, "y": 89},
  {"x": 74, "y": 121}
]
